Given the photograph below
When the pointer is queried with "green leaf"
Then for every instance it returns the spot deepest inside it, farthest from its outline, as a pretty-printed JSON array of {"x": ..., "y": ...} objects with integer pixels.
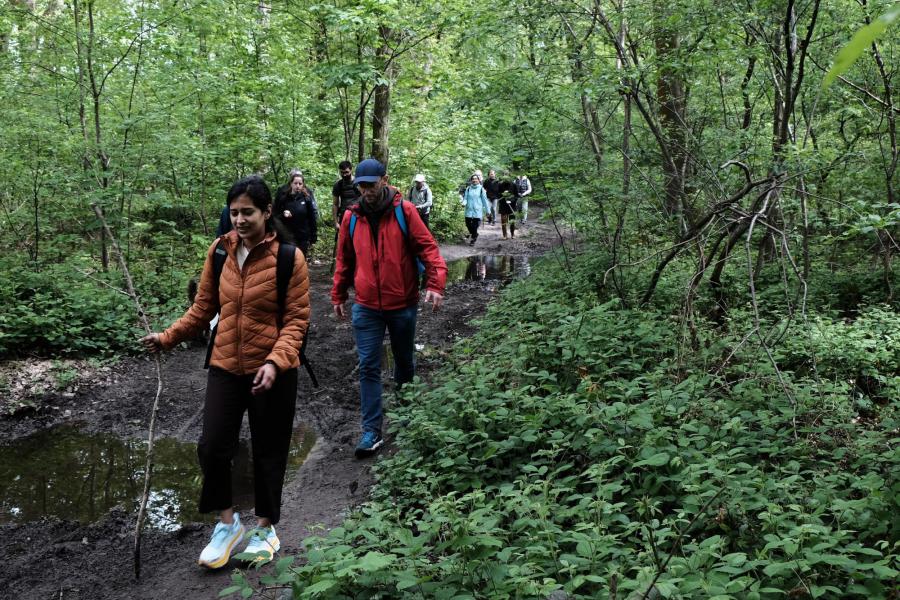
[
  {"x": 657, "y": 460},
  {"x": 321, "y": 586},
  {"x": 375, "y": 561},
  {"x": 861, "y": 40}
]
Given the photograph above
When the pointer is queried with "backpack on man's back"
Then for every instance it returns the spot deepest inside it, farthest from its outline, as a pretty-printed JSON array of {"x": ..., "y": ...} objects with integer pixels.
[{"x": 521, "y": 185}]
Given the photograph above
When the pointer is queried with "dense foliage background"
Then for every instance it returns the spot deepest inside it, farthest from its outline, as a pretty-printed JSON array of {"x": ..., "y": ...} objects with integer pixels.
[{"x": 709, "y": 374}]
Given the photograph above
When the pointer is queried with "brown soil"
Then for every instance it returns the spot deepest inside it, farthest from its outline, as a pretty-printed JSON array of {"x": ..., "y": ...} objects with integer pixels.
[{"x": 67, "y": 560}]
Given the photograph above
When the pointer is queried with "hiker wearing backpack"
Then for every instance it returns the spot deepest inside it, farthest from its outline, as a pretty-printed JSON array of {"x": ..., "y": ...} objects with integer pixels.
[
  {"x": 523, "y": 188},
  {"x": 283, "y": 191},
  {"x": 252, "y": 365},
  {"x": 382, "y": 246},
  {"x": 506, "y": 206},
  {"x": 492, "y": 189},
  {"x": 476, "y": 202},
  {"x": 297, "y": 210},
  {"x": 420, "y": 196},
  {"x": 344, "y": 193}
]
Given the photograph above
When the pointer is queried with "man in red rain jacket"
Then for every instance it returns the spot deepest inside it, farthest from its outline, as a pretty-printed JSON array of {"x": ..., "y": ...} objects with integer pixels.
[{"x": 378, "y": 258}]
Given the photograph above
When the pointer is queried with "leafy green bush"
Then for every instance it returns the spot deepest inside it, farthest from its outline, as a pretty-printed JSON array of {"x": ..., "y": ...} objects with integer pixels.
[
  {"x": 602, "y": 456},
  {"x": 72, "y": 309},
  {"x": 60, "y": 312}
]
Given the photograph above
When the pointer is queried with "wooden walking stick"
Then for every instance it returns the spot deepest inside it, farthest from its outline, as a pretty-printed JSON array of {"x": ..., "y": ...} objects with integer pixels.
[{"x": 148, "y": 468}]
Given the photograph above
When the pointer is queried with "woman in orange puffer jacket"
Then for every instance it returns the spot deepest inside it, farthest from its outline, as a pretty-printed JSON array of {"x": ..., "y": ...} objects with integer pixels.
[{"x": 253, "y": 367}]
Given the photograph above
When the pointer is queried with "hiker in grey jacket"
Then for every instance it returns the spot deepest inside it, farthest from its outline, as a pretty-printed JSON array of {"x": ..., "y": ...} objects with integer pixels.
[{"x": 420, "y": 196}]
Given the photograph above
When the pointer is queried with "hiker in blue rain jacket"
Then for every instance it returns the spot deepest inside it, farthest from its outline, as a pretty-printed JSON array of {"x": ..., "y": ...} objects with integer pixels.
[{"x": 474, "y": 198}]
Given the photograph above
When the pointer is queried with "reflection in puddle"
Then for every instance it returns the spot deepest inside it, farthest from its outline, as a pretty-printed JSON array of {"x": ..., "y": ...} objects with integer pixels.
[
  {"x": 73, "y": 475},
  {"x": 492, "y": 267}
]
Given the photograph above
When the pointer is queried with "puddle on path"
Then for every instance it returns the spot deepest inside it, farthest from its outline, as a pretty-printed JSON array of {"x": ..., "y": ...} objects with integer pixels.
[
  {"x": 69, "y": 474},
  {"x": 501, "y": 268}
]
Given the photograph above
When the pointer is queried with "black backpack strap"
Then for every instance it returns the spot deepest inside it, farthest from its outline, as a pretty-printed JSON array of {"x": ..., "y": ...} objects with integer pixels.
[
  {"x": 284, "y": 270},
  {"x": 220, "y": 255}
]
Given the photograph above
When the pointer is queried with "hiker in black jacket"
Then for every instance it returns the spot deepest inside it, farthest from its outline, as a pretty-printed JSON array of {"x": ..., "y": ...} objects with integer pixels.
[
  {"x": 506, "y": 206},
  {"x": 299, "y": 213},
  {"x": 492, "y": 188}
]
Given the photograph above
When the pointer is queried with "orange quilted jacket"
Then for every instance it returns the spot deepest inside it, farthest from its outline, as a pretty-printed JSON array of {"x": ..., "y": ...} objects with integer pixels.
[{"x": 248, "y": 333}]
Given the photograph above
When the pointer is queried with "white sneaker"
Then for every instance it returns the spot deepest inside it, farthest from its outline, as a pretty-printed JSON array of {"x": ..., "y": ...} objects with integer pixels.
[
  {"x": 219, "y": 548},
  {"x": 263, "y": 545}
]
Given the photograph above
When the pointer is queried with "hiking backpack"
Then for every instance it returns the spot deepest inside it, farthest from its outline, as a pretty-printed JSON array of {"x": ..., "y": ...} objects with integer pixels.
[{"x": 521, "y": 185}]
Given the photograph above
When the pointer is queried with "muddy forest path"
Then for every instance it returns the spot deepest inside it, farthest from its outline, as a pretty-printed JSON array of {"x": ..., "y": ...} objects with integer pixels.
[{"x": 53, "y": 558}]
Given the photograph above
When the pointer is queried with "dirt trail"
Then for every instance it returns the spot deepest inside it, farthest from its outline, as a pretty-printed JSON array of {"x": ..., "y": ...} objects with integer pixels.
[{"x": 57, "y": 559}]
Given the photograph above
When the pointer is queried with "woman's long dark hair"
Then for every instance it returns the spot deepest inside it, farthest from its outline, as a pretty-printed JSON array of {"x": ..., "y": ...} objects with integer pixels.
[{"x": 259, "y": 193}]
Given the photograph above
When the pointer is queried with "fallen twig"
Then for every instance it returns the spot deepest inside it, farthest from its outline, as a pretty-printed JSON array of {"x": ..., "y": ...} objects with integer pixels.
[{"x": 148, "y": 467}]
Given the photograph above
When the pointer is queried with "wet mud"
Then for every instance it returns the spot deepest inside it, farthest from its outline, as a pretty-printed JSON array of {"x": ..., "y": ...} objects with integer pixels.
[{"x": 77, "y": 542}]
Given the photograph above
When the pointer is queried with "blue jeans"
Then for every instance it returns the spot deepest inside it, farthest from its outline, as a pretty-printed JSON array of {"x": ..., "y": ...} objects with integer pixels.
[{"x": 368, "y": 328}]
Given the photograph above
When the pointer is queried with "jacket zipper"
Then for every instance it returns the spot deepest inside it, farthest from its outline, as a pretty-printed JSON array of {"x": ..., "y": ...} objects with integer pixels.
[
  {"x": 377, "y": 260},
  {"x": 240, "y": 307}
]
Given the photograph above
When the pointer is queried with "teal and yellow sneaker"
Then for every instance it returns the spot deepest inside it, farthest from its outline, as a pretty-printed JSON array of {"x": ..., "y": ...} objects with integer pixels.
[
  {"x": 263, "y": 545},
  {"x": 219, "y": 548}
]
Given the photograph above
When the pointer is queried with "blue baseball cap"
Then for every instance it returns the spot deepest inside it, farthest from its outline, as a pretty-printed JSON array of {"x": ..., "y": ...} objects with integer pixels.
[{"x": 369, "y": 171}]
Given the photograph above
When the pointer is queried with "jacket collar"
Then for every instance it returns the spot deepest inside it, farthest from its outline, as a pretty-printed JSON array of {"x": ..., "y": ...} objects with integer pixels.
[
  {"x": 232, "y": 240},
  {"x": 396, "y": 198}
]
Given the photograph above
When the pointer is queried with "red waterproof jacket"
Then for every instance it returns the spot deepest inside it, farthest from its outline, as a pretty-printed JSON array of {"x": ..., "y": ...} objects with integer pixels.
[{"x": 385, "y": 274}]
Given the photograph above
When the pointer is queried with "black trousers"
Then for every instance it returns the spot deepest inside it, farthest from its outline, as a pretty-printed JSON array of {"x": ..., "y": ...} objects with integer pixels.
[
  {"x": 425, "y": 217},
  {"x": 472, "y": 225},
  {"x": 271, "y": 417}
]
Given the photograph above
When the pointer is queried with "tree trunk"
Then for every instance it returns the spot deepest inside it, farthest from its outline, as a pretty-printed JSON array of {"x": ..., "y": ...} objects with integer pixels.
[
  {"x": 626, "y": 101},
  {"x": 381, "y": 111},
  {"x": 35, "y": 193},
  {"x": 670, "y": 97},
  {"x": 361, "y": 112},
  {"x": 361, "y": 143}
]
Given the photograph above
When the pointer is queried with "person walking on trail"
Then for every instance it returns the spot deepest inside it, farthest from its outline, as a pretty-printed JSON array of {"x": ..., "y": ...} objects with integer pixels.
[
  {"x": 299, "y": 213},
  {"x": 344, "y": 193},
  {"x": 382, "y": 239},
  {"x": 462, "y": 188},
  {"x": 476, "y": 202},
  {"x": 252, "y": 367},
  {"x": 523, "y": 189},
  {"x": 492, "y": 188},
  {"x": 420, "y": 196},
  {"x": 283, "y": 191},
  {"x": 506, "y": 206}
]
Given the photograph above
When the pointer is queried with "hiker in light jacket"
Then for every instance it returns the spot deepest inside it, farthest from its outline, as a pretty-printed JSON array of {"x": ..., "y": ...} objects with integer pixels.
[
  {"x": 420, "y": 195},
  {"x": 475, "y": 200}
]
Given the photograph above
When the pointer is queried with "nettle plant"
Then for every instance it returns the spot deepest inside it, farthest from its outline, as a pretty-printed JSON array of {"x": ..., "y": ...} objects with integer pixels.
[{"x": 604, "y": 462}]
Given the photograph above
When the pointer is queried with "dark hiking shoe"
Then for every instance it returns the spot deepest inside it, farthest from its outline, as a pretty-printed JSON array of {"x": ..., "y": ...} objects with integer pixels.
[{"x": 371, "y": 441}]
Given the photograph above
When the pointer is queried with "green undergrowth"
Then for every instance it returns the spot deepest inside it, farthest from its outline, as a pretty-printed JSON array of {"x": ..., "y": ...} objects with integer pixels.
[
  {"x": 574, "y": 445},
  {"x": 72, "y": 308}
]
